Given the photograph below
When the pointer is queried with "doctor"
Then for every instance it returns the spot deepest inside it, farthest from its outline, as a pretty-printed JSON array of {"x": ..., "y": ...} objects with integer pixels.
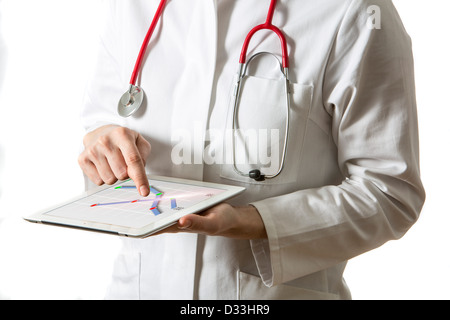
[{"x": 350, "y": 181}]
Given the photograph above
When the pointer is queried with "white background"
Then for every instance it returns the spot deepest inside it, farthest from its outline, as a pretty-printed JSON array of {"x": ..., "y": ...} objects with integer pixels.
[{"x": 50, "y": 47}]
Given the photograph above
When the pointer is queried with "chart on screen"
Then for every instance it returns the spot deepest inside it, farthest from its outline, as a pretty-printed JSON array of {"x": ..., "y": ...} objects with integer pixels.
[{"x": 122, "y": 205}]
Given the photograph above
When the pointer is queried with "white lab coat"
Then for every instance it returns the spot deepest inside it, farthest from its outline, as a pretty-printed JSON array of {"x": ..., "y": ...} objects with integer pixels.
[{"x": 351, "y": 180}]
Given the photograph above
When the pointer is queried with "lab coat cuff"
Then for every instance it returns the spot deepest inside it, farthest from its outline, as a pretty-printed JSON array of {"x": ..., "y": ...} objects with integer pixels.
[{"x": 266, "y": 251}]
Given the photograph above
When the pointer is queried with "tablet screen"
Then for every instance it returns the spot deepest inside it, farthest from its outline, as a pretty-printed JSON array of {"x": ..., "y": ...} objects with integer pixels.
[{"x": 121, "y": 204}]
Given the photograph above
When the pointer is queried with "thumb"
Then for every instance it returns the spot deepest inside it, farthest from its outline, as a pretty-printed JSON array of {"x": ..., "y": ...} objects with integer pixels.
[{"x": 196, "y": 223}]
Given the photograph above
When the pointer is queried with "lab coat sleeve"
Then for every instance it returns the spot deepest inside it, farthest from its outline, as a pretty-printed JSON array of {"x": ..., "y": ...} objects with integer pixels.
[
  {"x": 105, "y": 86},
  {"x": 368, "y": 91}
]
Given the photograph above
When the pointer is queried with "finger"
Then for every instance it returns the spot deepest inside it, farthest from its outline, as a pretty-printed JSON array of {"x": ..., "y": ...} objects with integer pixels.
[
  {"x": 133, "y": 159},
  {"x": 183, "y": 225},
  {"x": 90, "y": 170},
  {"x": 136, "y": 168},
  {"x": 104, "y": 170},
  {"x": 136, "y": 171},
  {"x": 207, "y": 224},
  {"x": 93, "y": 163},
  {"x": 117, "y": 163}
]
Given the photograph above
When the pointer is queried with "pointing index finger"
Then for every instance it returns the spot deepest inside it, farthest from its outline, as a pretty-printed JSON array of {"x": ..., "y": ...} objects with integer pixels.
[
  {"x": 136, "y": 171},
  {"x": 135, "y": 166}
]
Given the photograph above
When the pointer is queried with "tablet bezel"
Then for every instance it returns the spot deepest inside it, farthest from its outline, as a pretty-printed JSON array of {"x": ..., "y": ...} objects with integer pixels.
[{"x": 44, "y": 218}]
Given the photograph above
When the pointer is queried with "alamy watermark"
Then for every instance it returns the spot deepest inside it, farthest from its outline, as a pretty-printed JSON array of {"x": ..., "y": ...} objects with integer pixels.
[
  {"x": 240, "y": 146},
  {"x": 374, "y": 19}
]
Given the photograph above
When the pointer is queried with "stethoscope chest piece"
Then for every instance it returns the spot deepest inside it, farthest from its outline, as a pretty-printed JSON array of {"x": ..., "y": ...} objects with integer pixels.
[{"x": 130, "y": 101}]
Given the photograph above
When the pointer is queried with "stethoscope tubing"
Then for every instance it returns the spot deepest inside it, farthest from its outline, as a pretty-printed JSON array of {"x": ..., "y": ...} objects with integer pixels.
[
  {"x": 267, "y": 26},
  {"x": 237, "y": 95},
  {"x": 148, "y": 36},
  {"x": 133, "y": 98},
  {"x": 284, "y": 68}
]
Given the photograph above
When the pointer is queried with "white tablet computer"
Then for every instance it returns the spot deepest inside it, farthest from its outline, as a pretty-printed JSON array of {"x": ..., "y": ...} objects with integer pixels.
[{"x": 119, "y": 209}]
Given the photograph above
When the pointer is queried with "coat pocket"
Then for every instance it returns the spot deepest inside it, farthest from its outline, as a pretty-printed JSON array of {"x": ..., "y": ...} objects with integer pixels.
[
  {"x": 259, "y": 133},
  {"x": 252, "y": 288}
]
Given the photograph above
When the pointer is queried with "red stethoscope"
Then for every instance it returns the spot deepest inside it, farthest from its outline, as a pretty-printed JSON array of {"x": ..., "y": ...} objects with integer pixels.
[{"x": 132, "y": 99}]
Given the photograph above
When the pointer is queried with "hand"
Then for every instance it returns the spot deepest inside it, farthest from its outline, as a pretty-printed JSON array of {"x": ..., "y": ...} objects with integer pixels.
[
  {"x": 115, "y": 153},
  {"x": 223, "y": 220}
]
